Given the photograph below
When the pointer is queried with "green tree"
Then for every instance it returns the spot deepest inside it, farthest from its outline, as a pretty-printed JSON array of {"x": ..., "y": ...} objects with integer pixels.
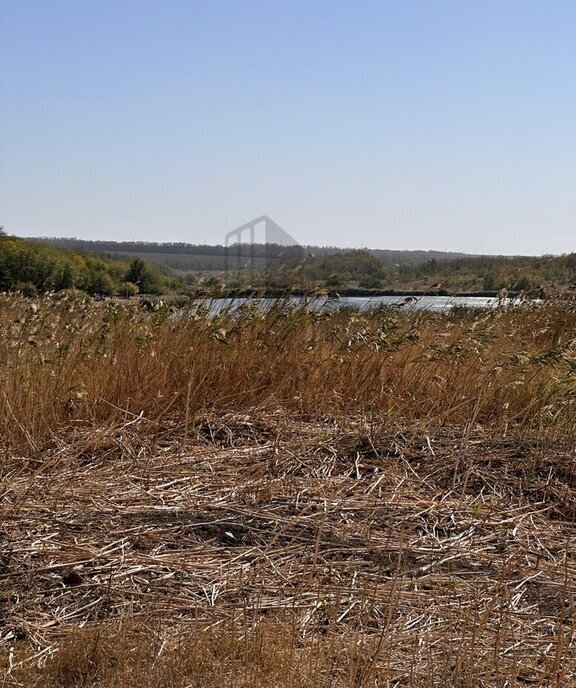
[
  {"x": 147, "y": 280},
  {"x": 67, "y": 278}
]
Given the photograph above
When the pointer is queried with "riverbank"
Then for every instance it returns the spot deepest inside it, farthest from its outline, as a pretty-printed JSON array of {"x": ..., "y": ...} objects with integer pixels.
[{"x": 349, "y": 292}]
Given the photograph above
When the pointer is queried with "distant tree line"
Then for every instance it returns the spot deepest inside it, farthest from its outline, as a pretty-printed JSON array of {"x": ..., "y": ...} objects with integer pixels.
[
  {"x": 259, "y": 251},
  {"x": 492, "y": 273},
  {"x": 355, "y": 267}
]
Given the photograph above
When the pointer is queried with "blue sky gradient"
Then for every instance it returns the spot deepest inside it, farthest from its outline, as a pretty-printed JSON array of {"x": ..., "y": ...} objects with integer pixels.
[{"x": 434, "y": 124}]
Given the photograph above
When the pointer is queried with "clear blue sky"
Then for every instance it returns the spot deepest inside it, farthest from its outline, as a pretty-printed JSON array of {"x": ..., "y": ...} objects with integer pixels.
[{"x": 440, "y": 124}]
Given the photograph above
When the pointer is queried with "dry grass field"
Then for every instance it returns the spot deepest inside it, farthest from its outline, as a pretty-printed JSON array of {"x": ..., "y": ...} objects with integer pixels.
[{"x": 286, "y": 499}]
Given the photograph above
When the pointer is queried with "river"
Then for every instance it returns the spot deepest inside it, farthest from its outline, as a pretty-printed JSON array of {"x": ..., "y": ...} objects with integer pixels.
[{"x": 441, "y": 304}]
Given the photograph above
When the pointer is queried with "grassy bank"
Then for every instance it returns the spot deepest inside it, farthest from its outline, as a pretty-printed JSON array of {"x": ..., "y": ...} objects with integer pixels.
[{"x": 286, "y": 499}]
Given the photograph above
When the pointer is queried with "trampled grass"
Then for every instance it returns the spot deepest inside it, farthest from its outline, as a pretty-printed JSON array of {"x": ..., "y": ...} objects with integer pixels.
[{"x": 286, "y": 498}]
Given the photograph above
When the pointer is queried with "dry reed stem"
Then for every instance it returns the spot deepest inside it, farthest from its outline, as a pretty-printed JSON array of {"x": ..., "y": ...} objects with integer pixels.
[{"x": 333, "y": 533}]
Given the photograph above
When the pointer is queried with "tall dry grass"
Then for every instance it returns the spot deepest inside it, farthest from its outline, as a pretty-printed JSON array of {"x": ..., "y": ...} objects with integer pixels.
[{"x": 66, "y": 362}]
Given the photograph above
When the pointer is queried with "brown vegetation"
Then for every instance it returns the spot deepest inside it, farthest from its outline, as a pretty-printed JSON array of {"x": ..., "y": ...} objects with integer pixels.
[{"x": 286, "y": 498}]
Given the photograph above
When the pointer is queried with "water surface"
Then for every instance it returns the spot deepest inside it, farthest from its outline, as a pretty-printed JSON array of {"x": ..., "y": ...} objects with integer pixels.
[{"x": 441, "y": 304}]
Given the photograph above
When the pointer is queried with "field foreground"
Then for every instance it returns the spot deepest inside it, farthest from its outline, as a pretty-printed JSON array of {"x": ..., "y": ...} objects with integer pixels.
[{"x": 264, "y": 541}]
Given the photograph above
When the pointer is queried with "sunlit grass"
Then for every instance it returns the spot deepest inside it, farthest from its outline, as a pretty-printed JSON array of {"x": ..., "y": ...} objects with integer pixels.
[{"x": 66, "y": 361}]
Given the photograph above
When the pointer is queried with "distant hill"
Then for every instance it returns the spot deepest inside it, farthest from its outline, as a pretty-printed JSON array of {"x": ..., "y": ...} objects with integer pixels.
[{"x": 206, "y": 257}]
